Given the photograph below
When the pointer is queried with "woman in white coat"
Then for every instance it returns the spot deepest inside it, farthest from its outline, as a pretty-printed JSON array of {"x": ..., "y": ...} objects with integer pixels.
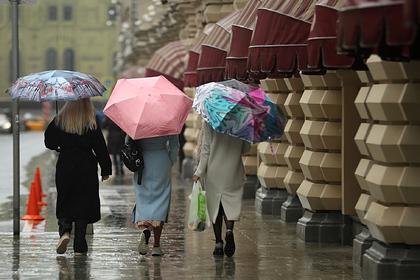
[{"x": 221, "y": 170}]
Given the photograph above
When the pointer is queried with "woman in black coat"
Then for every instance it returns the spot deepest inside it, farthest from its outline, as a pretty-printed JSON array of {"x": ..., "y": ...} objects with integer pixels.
[{"x": 78, "y": 138}]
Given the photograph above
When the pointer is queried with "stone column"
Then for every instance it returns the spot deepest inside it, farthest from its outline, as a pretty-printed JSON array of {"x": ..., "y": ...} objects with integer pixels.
[
  {"x": 251, "y": 182},
  {"x": 363, "y": 240},
  {"x": 392, "y": 170},
  {"x": 320, "y": 192},
  {"x": 292, "y": 209},
  {"x": 191, "y": 133},
  {"x": 273, "y": 167}
]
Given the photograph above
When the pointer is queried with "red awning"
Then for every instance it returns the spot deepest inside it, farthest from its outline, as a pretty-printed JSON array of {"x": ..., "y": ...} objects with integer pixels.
[
  {"x": 412, "y": 15},
  {"x": 170, "y": 60},
  {"x": 190, "y": 74},
  {"x": 322, "y": 40},
  {"x": 212, "y": 61},
  {"x": 177, "y": 82},
  {"x": 242, "y": 28},
  {"x": 379, "y": 26},
  {"x": 279, "y": 42}
]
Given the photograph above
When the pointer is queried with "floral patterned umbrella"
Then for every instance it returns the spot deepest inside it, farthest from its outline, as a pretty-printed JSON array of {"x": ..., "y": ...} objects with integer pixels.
[
  {"x": 249, "y": 116},
  {"x": 56, "y": 85}
]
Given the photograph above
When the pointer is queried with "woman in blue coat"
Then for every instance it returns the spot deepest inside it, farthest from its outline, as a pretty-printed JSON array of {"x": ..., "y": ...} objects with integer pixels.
[{"x": 153, "y": 195}]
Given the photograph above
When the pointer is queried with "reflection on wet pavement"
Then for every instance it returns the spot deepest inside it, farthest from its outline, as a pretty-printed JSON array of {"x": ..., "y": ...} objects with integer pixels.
[{"x": 266, "y": 248}]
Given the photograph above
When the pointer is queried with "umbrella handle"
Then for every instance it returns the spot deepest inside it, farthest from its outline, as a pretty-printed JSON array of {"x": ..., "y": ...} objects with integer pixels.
[{"x": 56, "y": 107}]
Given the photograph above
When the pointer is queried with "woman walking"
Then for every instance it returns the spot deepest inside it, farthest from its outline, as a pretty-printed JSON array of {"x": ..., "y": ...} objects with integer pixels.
[
  {"x": 115, "y": 140},
  {"x": 153, "y": 193},
  {"x": 78, "y": 138},
  {"x": 222, "y": 171}
]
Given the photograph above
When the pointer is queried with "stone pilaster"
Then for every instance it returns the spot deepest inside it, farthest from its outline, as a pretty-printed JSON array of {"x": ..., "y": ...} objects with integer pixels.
[
  {"x": 363, "y": 240},
  {"x": 392, "y": 176},
  {"x": 292, "y": 209},
  {"x": 321, "y": 192},
  {"x": 250, "y": 164},
  {"x": 273, "y": 167}
]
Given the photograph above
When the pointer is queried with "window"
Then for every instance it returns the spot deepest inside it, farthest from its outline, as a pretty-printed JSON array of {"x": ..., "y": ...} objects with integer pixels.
[
  {"x": 52, "y": 13},
  {"x": 51, "y": 59},
  {"x": 68, "y": 13},
  {"x": 69, "y": 59}
]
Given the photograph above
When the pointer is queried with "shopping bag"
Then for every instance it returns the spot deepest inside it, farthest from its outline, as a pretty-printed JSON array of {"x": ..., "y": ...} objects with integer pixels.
[{"x": 198, "y": 216}]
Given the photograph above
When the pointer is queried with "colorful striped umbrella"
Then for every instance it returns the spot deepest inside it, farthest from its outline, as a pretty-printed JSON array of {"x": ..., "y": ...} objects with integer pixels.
[
  {"x": 56, "y": 85},
  {"x": 252, "y": 117}
]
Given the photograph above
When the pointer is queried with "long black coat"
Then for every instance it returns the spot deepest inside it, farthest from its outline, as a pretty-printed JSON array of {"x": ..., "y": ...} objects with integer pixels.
[{"x": 76, "y": 176}]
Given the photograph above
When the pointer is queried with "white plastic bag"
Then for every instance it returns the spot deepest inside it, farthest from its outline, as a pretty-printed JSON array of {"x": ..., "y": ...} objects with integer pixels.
[{"x": 198, "y": 215}]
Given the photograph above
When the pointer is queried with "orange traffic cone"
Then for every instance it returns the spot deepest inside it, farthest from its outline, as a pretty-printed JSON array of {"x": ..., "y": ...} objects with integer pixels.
[
  {"x": 38, "y": 179},
  {"x": 38, "y": 193},
  {"x": 32, "y": 208}
]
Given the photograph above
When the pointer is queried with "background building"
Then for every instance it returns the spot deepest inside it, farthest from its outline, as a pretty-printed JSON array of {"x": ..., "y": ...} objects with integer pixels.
[{"x": 61, "y": 34}]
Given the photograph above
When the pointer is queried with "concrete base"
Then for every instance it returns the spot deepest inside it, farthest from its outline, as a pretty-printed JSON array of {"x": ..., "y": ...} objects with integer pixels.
[
  {"x": 383, "y": 261},
  {"x": 188, "y": 167},
  {"x": 325, "y": 227},
  {"x": 361, "y": 243},
  {"x": 269, "y": 201},
  {"x": 291, "y": 209},
  {"x": 250, "y": 187}
]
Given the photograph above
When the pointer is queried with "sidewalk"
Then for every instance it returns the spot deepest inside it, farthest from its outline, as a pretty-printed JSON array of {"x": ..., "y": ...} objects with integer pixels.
[{"x": 266, "y": 248}]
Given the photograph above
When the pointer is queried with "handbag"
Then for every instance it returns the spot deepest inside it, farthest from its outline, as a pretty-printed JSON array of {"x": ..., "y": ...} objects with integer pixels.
[{"x": 132, "y": 157}]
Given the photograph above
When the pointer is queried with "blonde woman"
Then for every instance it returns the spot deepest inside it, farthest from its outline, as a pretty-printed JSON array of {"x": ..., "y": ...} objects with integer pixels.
[{"x": 78, "y": 138}]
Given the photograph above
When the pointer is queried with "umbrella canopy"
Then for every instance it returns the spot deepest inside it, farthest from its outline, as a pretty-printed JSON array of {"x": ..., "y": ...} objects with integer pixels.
[
  {"x": 251, "y": 117},
  {"x": 238, "y": 85},
  {"x": 148, "y": 107},
  {"x": 56, "y": 85}
]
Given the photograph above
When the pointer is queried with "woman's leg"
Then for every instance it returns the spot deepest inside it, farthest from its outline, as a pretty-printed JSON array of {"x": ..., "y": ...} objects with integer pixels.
[
  {"x": 157, "y": 232},
  {"x": 80, "y": 244},
  {"x": 217, "y": 228},
  {"x": 229, "y": 238},
  {"x": 64, "y": 225}
]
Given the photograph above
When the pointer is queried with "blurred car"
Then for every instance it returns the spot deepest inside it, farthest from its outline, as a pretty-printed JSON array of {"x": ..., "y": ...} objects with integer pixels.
[
  {"x": 33, "y": 122},
  {"x": 5, "y": 124}
]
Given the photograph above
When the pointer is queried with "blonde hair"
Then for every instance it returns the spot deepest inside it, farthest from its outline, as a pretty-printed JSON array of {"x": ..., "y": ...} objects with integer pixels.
[{"x": 77, "y": 116}]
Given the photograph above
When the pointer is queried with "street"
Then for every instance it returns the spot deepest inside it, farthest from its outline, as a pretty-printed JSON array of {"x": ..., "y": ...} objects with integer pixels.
[{"x": 266, "y": 247}]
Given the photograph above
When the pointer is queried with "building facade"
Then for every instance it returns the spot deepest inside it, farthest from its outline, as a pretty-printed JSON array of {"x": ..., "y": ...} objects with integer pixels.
[{"x": 61, "y": 34}]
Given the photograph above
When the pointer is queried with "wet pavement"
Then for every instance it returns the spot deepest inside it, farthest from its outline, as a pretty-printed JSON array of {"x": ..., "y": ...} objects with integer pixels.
[
  {"x": 32, "y": 153},
  {"x": 266, "y": 247}
]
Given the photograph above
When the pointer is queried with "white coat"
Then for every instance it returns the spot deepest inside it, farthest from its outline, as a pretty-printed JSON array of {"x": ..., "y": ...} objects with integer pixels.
[{"x": 222, "y": 172}]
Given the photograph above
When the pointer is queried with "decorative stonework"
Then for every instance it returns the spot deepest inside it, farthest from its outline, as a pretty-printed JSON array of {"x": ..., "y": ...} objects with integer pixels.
[
  {"x": 292, "y": 209},
  {"x": 388, "y": 174},
  {"x": 321, "y": 162},
  {"x": 273, "y": 167}
]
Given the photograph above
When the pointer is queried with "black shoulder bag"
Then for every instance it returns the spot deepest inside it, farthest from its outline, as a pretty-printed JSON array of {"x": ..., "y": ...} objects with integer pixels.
[{"x": 132, "y": 156}]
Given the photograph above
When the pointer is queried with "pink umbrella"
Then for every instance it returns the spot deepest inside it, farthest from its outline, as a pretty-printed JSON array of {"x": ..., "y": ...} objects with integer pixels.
[{"x": 148, "y": 107}]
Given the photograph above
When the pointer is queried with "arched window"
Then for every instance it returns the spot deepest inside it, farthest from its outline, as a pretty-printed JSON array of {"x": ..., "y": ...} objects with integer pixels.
[
  {"x": 51, "y": 59},
  {"x": 69, "y": 59}
]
